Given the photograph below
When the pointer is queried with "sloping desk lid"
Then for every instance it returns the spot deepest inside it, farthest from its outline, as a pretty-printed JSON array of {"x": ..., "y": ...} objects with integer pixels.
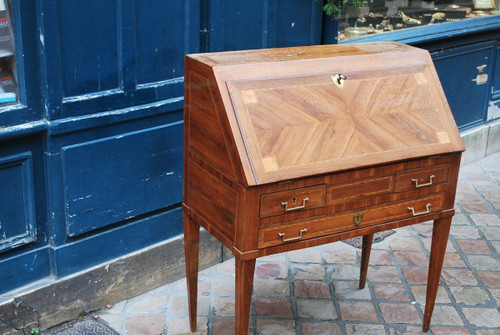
[{"x": 299, "y": 125}]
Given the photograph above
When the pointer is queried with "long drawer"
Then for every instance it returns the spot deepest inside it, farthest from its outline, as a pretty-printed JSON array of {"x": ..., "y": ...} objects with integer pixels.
[
  {"x": 327, "y": 198},
  {"x": 306, "y": 229}
]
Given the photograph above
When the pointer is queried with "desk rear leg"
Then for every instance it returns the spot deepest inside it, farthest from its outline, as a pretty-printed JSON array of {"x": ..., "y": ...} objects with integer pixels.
[
  {"x": 191, "y": 247},
  {"x": 365, "y": 259}
]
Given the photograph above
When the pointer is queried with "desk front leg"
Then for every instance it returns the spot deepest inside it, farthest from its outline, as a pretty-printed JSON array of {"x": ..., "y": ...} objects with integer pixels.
[
  {"x": 191, "y": 247},
  {"x": 244, "y": 284},
  {"x": 440, "y": 234}
]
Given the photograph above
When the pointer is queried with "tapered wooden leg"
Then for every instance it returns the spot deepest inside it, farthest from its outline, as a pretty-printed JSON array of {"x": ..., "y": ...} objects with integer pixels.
[
  {"x": 440, "y": 234},
  {"x": 191, "y": 246},
  {"x": 244, "y": 283},
  {"x": 365, "y": 259}
]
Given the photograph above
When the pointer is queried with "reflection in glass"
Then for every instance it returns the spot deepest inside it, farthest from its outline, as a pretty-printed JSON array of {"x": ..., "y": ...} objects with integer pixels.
[
  {"x": 8, "y": 86},
  {"x": 381, "y": 16}
]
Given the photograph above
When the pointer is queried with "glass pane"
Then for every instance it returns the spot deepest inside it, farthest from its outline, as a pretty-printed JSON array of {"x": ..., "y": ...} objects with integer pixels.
[
  {"x": 8, "y": 80},
  {"x": 382, "y": 16}
]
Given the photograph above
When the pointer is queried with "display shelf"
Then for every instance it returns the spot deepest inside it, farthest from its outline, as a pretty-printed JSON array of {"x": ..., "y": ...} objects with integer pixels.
[{"x": 432, "y": 32}]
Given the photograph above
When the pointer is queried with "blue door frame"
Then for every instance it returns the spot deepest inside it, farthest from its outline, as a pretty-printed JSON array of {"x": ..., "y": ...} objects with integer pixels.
[{"x": 91, "y": 157}]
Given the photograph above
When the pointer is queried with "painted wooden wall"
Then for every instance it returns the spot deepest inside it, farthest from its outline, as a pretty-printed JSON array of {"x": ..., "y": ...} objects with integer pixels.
[
  {"x": 91, "y": 158},
  {"x": 91, "y": 167}
]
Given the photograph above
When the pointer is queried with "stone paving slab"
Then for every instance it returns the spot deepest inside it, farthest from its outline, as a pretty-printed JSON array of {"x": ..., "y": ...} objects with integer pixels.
[{"x": 314, "y": 291}]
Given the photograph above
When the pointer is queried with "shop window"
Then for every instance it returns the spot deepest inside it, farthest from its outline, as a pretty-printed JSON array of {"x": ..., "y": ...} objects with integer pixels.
[
  {"x": 382, "y": 16},
  {"x": 8, "y": 80}
]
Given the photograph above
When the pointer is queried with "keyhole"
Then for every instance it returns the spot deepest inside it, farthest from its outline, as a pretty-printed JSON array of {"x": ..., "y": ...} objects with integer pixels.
[
  {"x": 341, "y": 77},
  {"x": 294, "y": 200},
  {"x": 422, "y": 177}
]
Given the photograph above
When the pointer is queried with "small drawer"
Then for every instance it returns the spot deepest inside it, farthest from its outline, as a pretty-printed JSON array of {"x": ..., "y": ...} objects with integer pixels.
[
  {"x": 292, "y": 201},
  {"x": 306, "y": 229},
  {"x": 343, "y": 192},
  {"x": 422, "y": 177}
]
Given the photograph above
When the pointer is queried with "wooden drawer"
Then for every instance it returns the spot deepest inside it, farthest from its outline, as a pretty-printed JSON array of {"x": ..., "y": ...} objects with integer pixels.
[
  {"x": 422, "y": 177},
  {"x": 347, "y": 191},
  {"x": 292, "y": 201},
  {"x": 306, "y": 229}
]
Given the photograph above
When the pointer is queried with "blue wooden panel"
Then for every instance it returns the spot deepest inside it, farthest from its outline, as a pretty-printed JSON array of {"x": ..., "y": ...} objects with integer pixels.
[
  {"x": 141, "y": 44},
  {"x": 118, "y": 178},
  {"x": 97, "y": 248},
  {"x": 237, "y": 25},
  {"x": 299, "y": 23},
  {"x": 23, "y": 269},
  {"x": 160, "y": 40},
  {"x": 17, "y": 204},
  {"x": 88, "y": 35},
  {"x": 461, "y": 72}
]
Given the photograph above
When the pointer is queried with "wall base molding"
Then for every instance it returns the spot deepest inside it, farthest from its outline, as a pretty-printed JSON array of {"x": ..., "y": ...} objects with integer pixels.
[
  {"x": 481, "y": 141},
  {"x": 50, "y": 302}
]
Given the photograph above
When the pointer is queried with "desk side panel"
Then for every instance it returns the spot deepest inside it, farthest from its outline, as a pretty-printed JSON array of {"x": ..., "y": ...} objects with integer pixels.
[
  {"x": 204, "y": 130},
  {"x": 212, "y": 200}
]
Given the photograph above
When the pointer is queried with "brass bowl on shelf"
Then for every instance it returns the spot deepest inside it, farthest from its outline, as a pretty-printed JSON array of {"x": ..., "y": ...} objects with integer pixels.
[{"x": 355, "y": 32}]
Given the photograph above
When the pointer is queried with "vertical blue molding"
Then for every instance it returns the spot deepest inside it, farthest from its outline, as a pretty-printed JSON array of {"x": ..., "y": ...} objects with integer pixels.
[
  {"x": 270, "y": 23},
  {"x": 51, "y": 79},
  {"x": 316, "y": 23},
  {"x": 215, "y": 24},
  {"x": 495, "y": 86},
  {"x": 126, "y": 45},
  {"x": 266, "y": 23},
  {"x": 192, "y": 25}
]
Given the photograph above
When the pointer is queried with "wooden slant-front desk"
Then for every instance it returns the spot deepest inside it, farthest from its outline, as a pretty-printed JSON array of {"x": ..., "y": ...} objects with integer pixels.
[{"x": 291, "y": 148}]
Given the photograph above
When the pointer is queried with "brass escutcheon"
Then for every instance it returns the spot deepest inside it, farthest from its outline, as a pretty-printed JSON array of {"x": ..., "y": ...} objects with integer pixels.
[
  {"x": 357, "y": 218},
  {"x": 339, "y": 80}
]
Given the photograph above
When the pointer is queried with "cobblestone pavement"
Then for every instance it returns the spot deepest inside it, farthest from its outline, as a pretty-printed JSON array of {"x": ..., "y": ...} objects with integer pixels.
[{"x": 314, "y": 291}]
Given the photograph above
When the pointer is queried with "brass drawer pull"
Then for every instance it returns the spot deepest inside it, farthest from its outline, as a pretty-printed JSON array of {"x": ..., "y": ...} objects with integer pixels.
[
  {"x": 285, "y": 203},
  {"x": 283, "y": 239},
  {"x": 422, "y": 185},
  {"x": 427, "y": 210}
]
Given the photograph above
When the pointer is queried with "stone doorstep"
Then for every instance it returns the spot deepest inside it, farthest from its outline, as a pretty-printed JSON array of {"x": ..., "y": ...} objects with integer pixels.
[
  {"x": 481, "y": 141},
  {"x": 52, "y": 302}
]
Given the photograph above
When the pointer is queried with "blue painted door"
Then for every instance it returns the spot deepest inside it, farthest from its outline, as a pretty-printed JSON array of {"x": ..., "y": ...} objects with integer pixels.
[
  {"x": 466, "y": 75},
  {"x": 91, "y": 168}
]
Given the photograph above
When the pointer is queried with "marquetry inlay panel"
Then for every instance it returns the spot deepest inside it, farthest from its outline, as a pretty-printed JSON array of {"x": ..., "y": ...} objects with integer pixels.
[{"x": 299, "y": 122}]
